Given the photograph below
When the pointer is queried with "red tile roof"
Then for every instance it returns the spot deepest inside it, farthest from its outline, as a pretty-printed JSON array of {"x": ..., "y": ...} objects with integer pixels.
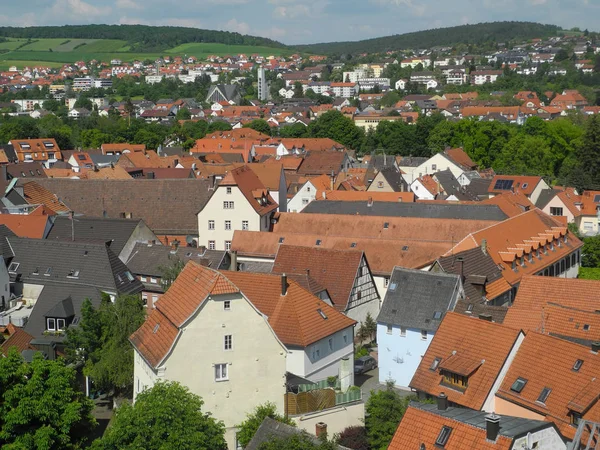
[
  {"x": 511, "y": 203},
  {"x": 467, "y": 340},
  {"x": 17, "y": 337},
  {"x": 548, "y": 362},
  {"x": 419, "y": 426},
  {"x": 28, "y": 226},
  {"x": 253, "y": 189},
  {"x": 459, "y": 156},
  {"x": 521, "y": 183}
]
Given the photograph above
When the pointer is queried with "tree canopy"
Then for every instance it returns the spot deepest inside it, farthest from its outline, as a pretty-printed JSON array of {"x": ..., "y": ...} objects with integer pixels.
[
  {"x": 247, "y": 429},
  {"x": 166, "y": 416},
  {"x": 40, "y": 405}
]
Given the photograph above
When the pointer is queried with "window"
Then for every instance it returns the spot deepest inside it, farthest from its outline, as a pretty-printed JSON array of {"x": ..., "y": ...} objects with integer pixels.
[
  {"x": 455, "y": 380},
  {"x": 316, "y": 354},
  {"x": 60, "y": 324},
  {"x": 437, "y": 315},
  {"x": 128, "y": 274},
  {"x": 435, "y": 364},
  {"x": 586, "y": 327},
  {"x": 318, "y": 242},
  {"x": 305, "y": 201},
  {"x": 73, "y": 273},
  {"x": 386, "y": 282},
  {"x": 389, "y": 329},
  {"x": 434, "y": 167},
  {"x": 345, "y": 336},
  {"x": 221, "y": 373},
  {"x": 227, "y": 305},
  {"x": 403, "y": 331},
  {"x": 227, "y": 245},
  {"x": 227, "y": 343},
  {"x": 13, "y": 267},
  {"x": 36, "y": 271},
  {"x": 307, "y": 188},
  {"x": 228, "y": 190},
  {"x": 424, "y": 335},
  {"x": 380, "y": 184},
  {"x": 245, "y": 225},
  {"x": 153, "y": 280},
  {"x": 143, "y": 279},
  {"x": 518, "y": 385},
  {"x": 211, "y": 224},
  {"x": 442, "y": 438},
  {"x": 228, "y": 225},
  {"x": 575, "y": 418},
  {"x": 211, "y": 245},
  {"x": 228, "y": 205},
  {"x": 386, "y": 225},
  {"x": 281, "y": 239},
  {"x": 50, "y": 324},
  {"x": 330, "y": 342},
  {"x": 48, "y": 271},
  {"x": 544, "y": 395}
]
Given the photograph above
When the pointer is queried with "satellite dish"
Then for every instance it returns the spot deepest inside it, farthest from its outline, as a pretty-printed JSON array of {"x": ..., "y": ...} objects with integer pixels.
[{"x": 190, "y": 240}]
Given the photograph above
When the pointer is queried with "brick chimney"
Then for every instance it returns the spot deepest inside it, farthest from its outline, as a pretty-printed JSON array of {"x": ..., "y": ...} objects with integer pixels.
[{"x": 321, "y": 429}]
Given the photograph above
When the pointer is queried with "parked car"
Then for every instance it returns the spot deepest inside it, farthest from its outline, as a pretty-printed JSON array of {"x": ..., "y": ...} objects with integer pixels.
[{"x": 364, "y": 364}]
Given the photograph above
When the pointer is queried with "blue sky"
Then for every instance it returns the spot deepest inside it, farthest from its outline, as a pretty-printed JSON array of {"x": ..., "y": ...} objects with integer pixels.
[{"x": 302, "y": 21}]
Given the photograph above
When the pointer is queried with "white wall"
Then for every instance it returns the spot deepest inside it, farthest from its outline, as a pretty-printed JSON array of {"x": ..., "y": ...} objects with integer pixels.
[
  {"x": 420, "y": 191},
  {"x": 4, "y": 284},
  {"x": 306, "y": 192},
  {"x": 588, "y": 225},
  {"x": 400, "y": 356},
  {"x": 546, "y": 439},
  {"x": 337, "y": 419},
  {"x": 556, "y": 202},
  {"x": 256, "y": 363},
  {"x": 436, "y": 163},
  {"x": 542, "y": 185},
  {"x": 381, "y": 284},
  {"x": 364, "y": 298}
]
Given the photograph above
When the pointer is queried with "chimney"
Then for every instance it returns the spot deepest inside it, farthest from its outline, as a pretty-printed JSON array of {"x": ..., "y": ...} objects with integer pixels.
[
  {"x": 442, "y": 402},
  {"x": 233, "y": 264},
  {"x": 202, "y": 250},
  {"x": 461, "y": 261},
  {"x": 486, "y": 317},
  {"x": 284, "y": 284},
  {"x": 492, "y": 427},
  {"x": 321, "y": 429},
  {"x": 332, "y": 177},
  {"x": 370, "y": 202},
  {"x": 484, "y": 246},
  {"x": 596, "y": 347}
]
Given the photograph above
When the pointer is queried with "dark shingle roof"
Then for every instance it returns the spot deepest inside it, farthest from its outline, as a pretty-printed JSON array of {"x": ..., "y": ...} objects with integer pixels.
[
  {"x": 418, "y": 299},
  {"x": 98, "y": 266},
  {"x": 271, "y": 429},
  {"x": 147, "y": 260},
  {"x": 5, "y": 249},
  {"x": 475, "y": 262},
  {"x": 51, "y": 303},
  {"x": 119, "y": 231},
  {"x": 168, "y": 206},
  {"x": 399, "y": 209},
  {"x": 545, "y": 196},
  {"x": 412, "y": 161},
  {"x": 381, "y": 161},
  {"x": 393, "y": 177}
]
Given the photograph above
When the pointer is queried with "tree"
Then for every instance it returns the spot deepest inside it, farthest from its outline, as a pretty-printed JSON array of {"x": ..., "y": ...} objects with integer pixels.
[
  {"x": 170, "y": 273},
  {"x": 354, "y": 437},
  {"x": 561, "y": 55},
  {"x": 298, "y": 90},
  {"x": 590, "y": 253},
  {"x": 370, "y": 326},
  {"x": 334, "y": 125},
  {"x": 83, "y": 102},
  {"x": 588, "y": 154},
  {"x": 101, "y": 341},
  {"x": 384, "y": 411},
  {"x": 40, "y": 405},
  {"x": 247, "y": 429},
  {"x": 260, "y": 125},
  {"x": 183, "y": 114},
  {"x": 166, "y": 416},
  {"x": 300, "y": 441}
]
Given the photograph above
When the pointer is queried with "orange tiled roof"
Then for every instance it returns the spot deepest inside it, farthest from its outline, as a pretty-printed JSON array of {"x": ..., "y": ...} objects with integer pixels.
[
  {"x": 520, "y": 237},
  {"x": 459, "y": 156},
  {"x": 511, "y": 203},
  {"x": 419, "y": 426},
  {"x": 589, "y": 204},
  {"x": 353, "y": 196},
  {"x": 17, "y": 337},
  {"x": 460, "y": 336},
  {"x": 546, "y": 361},
  {"x": 38, "y": 148},
  {"x": 248, "y": 182},
  {"x": 116, "y": 148},
  {"x": 38, "y": 195},
  {"x": 28, "y": 226},
  {"x": 524, "y": 184}
]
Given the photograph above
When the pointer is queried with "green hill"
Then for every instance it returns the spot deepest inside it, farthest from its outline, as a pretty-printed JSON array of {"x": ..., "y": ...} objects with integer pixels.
[
  {"x": 139, "y": 38},
  {"x": 481, "y": 33}
]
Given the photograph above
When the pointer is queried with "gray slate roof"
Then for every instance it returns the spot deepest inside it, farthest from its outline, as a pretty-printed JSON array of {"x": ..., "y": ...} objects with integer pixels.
[
  {"x": 412, "y": 161},
  {"x": 96, "y": 229},
  {"x": 545, "y": 196},
  {"x": 98, "y": 266},
  {"x": 5, "y": 249},
  {"x": 381, "y": 161},
  {"x": 168, "y": 206},
  {"x": 399, "y": 209},
  {"x": 59, "y": 300},
  {"x": 271, "y": 429},
  {"x": 147, "y": 260},
  {"x": 510, "y": 427},
  {"x": 414, "y": 297},
  {"x": 393, "y": 177}
]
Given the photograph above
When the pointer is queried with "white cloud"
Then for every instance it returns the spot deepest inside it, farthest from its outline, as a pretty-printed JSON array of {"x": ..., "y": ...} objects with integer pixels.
[
  {"x": 78, "y": 10},
  {"x": 239, "y": 27},
  {"x": 127, "y": 4},
  {"x": 291, "y": 12},
  {"x": 537, "y": 2},
  {"x": 417, "y": 9}
]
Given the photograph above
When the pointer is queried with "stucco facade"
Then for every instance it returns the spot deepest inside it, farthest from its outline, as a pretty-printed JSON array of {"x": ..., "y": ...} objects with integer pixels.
[
  {"x": 556, "y": 207},
  {"x": 305, "y": 195},
  {"x": 256, "y": 362},
  {"x": 436, "y": 163},
  {"x": 226, "y": 211}
]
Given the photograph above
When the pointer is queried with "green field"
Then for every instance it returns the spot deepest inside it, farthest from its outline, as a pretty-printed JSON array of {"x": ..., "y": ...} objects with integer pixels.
[{"x": 55, "y": 52}]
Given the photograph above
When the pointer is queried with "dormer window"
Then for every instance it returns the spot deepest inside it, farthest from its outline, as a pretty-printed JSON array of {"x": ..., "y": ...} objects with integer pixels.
[
  {"x": 575, "y": 418},
  {"x": 460, "y": 382},
  {"x": 73, "y": 273},
  {"x": 54, "y": 324}
]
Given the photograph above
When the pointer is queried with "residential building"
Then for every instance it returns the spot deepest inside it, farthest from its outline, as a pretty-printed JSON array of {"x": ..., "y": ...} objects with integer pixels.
[
  {"x": 121, "y": 235},
  {"x": 343, "y": 277},
  {"x": 345, "y": 90},
  {"x": 446, "y": 160},
  {"x": 263, "y": 87},
  {"x": 309, "y": 191},
  {"x": 253, "y": 327},
  {"x": 224, "y": 93},
  {"x": 388, "y": 179},
  {"x": 414, "y": 306},
  {"x": 272, "y": 176},
  {"x": 480, "y": 77},
  {"x": 581, "y": 210},
  {"x": 465, "y": 364},
  {"x": 44, "y": 151},
  {"x": 531, "y": 186},
  {"x": 324, "y": 162},
  {"x": 441, "y": 426},
  {"x": 371, "y": 83},
  {"x": 239, "y": 202}
]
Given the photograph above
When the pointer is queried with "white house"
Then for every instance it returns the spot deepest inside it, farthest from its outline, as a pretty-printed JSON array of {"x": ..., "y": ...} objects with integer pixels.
[
  {"x": 415, "y": 304},
  {"x": 231, "y": 337},
  {"x": 400, "y": 84},
  {"x": 437, "y": 163},
  {"x": 308, "y": 192},
  {"x": 240, "y": 202}
]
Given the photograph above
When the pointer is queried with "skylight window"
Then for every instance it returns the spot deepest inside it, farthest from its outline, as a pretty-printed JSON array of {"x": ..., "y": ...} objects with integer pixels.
[
  {"x": 156, "y": 327},
  {"x": 386, "y": 225},
  {"x": 322, "y": 314},
  {"x": 36, "y": 271},
  {"x": 518, "y": 385},
  {"x": 437, "y": 315},
  {"x": 281, "y": 239},
  {"x": 577, "y": 365},
  {"x": 443, "y": 437},
  {"x": 129, "y": 276},
  {"x": 73, "y": 273},
  {"x": 435, "y": 364},
  {"x": 586, "y": 327},
  {"x": 353, "y": 245},
  {"x": 13, "y": 267},
  {"x": 544, "y": 395},
  {"x": 318, "y": 242},
  {"x": 393, "y": 286},
  {"x": 48, "y": 271}
]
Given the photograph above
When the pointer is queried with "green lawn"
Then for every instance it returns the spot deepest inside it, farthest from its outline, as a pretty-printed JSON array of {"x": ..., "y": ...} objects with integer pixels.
[
  {"x": 42, "y": 45},
  {"x": 11, "y": 44},
  {"x": 4, "y": 65},
  {"x": 203, "y": 49},
  {"x": 103, "y": 45}
]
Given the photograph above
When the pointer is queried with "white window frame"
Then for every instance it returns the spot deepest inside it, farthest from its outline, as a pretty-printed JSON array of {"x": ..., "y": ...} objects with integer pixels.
[
  {"x": 211, "y": 224},
  {"x": 228, "y": 342},
  {"x": 48, "y": 321},
  {"x": 227, "y": 305},
  {"x": 227, "y": 245},
  {"x": 143, "y": 279},
  {"x": 228, "y": 225},
  {"x": 221, "y": 372},
  {"x": 153, "y": 280},
  {"x": 211, "y": 245},
  {"x": 245, "y": 225},
  {"x": 228, "y": 190},
  {"x": 58, "y": 324}
]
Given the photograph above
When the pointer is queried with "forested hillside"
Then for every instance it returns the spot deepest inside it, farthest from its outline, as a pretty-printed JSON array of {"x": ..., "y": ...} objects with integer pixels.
[
  {"x": 478, "y": 34},
  {"x": 141, "y": 38}
]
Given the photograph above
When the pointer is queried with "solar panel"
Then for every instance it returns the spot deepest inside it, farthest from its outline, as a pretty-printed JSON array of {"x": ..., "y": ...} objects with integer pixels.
[{"x": 503, "y": 185}]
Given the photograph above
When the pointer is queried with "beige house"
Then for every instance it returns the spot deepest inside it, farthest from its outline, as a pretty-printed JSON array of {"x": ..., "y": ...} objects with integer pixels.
[
  {"x": 240, "y": 202},
  {"x": 231, "y": 338}
]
